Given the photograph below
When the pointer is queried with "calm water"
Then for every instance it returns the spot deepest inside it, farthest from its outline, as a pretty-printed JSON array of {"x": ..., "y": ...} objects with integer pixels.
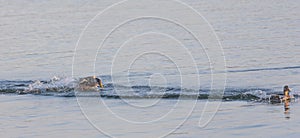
[
  {"x": 150, "y": 47},
  {"x": 42, "y": 116}
]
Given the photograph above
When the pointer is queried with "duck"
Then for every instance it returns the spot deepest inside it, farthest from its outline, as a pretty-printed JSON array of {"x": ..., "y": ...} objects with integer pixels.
[
  {"x": 276, "y": 98},
  {"x": 89, "y": 83}
]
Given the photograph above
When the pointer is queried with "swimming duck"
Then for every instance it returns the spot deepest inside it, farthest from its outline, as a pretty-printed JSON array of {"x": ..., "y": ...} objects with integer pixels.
[
  {"x": 275, "y": 98},
  {"x": 89, "y": 83}
]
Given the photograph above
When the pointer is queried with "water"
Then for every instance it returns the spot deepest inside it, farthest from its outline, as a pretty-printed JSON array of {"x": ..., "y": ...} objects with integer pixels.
[
  {"x": 40, "y": 40},
  {"x": 42, "y": 116}
]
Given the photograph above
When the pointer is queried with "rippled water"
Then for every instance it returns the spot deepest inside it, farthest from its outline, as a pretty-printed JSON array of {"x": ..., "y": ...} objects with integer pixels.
[{"x": 39, "y": 40}]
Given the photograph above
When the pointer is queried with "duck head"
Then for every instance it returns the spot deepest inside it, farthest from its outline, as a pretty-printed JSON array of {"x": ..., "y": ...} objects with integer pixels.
[
  {"x": 286, "y": 88},
  {"x": 99, "y": 81}
]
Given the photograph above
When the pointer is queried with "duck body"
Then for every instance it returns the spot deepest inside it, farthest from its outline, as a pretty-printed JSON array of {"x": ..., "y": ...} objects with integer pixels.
[
  {"x": 90, "y": 83},
  {"x": 275, "y": 98}
]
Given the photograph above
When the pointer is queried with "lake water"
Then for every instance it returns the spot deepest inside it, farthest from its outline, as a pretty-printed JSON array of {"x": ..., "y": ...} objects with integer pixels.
[
  {"x": 43, "y": 116},
  {"x": 164, "y": 64}
]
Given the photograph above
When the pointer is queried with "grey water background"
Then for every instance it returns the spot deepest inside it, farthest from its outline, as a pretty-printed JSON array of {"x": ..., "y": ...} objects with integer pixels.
[{"x": 260, "y": 40}]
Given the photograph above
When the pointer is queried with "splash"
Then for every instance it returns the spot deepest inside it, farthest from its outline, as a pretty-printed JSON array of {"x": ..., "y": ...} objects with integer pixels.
[{"x": 55, "y": 84}]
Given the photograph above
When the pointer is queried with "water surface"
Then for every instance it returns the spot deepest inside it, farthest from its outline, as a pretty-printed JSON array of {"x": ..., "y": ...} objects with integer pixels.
[{"x": 260, "y": 41}]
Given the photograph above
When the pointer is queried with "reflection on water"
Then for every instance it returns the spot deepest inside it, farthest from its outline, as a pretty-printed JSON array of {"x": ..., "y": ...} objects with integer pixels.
[{"x": 287, "y": 109}]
